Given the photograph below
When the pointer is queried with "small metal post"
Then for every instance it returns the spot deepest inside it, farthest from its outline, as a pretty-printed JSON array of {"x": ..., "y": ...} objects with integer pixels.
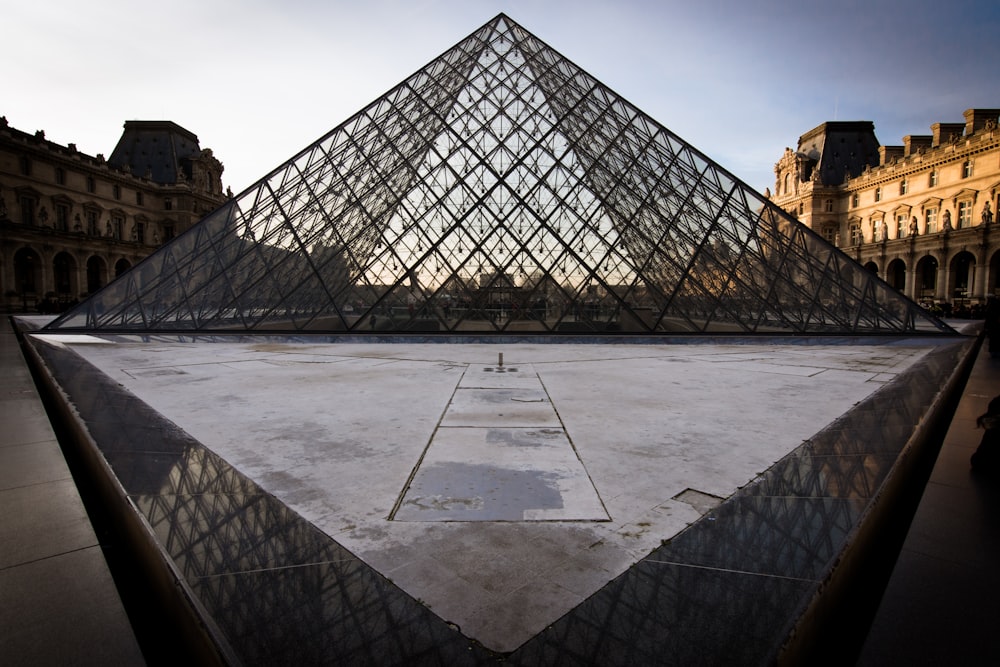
[{"x": 500, "y": 361}]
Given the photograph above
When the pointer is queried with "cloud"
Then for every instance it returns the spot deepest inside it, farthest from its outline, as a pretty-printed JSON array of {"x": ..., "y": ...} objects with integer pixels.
[{"x": 257, "y": 81}]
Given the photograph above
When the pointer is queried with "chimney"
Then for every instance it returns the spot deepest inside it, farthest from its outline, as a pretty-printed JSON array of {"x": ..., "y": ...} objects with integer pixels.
[
  {"x": 945, "y": 132},
  {"x": 912, "y": 143},
  {"x": 887, "y": 154},
  {"x": 976, "y": 119}
]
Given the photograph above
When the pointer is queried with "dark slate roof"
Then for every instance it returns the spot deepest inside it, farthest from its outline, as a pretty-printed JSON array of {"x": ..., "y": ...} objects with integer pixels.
[
  {"x": 839, "y": 147},
  {"x": 155, "y": 149}
]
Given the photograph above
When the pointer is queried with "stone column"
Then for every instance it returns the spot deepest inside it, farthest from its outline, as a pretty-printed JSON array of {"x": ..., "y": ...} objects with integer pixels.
[
  {"x": 941, "y": 283},
  {"x": 978, "y": 290},
  {"x": 910, "y": 286}
]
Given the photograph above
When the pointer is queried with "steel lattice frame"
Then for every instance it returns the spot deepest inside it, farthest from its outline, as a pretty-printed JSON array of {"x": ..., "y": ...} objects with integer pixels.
[{"x": 500, "y": 189}]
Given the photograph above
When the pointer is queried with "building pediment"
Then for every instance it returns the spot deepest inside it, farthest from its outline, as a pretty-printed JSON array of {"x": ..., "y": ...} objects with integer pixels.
[
  {"x": 965, "y": 194},
  {"x": 27, "y": 191},
  {"x": 930, "y": 202}
]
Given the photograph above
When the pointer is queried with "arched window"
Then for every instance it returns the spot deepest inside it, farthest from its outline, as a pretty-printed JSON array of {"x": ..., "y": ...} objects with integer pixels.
[
  {"x": 26, "y": 271},
  {"x": 895, "y": 274},
  {"x": 62, "y": 272},
  {"x": 96, "y": 274}
]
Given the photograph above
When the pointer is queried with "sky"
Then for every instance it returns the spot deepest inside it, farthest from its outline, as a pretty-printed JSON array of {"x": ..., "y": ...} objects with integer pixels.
[{"x": 260, "y": 80}]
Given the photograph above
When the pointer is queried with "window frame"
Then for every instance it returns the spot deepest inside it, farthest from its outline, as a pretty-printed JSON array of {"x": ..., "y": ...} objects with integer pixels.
[{"x": 931, "y": 220}]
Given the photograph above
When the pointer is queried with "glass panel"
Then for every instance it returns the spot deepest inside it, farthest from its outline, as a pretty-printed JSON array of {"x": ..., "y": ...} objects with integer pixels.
[{"x": 499, "y": 189}]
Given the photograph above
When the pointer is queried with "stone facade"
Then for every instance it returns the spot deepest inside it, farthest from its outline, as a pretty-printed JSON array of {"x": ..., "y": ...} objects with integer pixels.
[
  {"x": 922, "y": 215},
  {"x": 70, "y": 222}
]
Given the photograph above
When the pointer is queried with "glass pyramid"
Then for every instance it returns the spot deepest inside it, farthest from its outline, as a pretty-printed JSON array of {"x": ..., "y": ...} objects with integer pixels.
[{"x": 500, "y": 189}]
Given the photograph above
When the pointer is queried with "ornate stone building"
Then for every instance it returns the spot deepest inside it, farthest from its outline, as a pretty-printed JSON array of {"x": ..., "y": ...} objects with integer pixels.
[
  {"x": 70, "y": 222},
  {"x": 921, "y": 215}
]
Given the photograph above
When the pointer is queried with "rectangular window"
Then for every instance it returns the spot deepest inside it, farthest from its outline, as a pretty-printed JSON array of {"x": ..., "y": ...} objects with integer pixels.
[
  {"x": 903, "y": 186},
  {"x": 25, "y": 165},
  {"x": 930, "y": 220},
  {"x": 168, "y": 204},
  {"x": 900, "y": 226},
  {"x": 62, "y": 217},
  {"x": 138, "y": 198},
  {"x": 878, "y": 194},
  {"x": 168, "y": 232},
  {"x": 967, "y": 169},
  {"x": 60, "y": 176},
  {"x": 854, "y": 200},
  {"x": 116, "y": 190},
  {"x": 829, "y": 206},
  {"x": 91, "y": 184},
  {"x": 118, "y": 226},
  {"x": 933, "y": 181},
  {"x": 27, "y": 210},
  {"x": 855, "y": 234},
  {"x": 140, "y": 232},
  {"x": 964, "y": 214},
  {"x": 92, "y": 222}
]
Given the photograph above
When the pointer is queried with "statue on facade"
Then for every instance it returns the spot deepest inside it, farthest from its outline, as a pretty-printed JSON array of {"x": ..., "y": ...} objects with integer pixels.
[
  {"x": 43, "y": 217},
  {"x": 947, "y": 221},
  {"x": 107, "y": 230},
  {"x": 913, "y": 226},
  {"x": 987, "y": 214}
]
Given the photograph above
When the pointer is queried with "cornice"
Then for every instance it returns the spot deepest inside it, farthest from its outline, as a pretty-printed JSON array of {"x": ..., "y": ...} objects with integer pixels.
[{"x": 924, "y": 160}]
